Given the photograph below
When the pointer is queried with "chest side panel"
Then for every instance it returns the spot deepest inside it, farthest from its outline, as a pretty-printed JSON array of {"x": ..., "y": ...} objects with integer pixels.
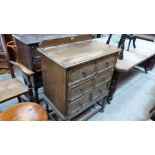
[{"x": 54, "y": 81}]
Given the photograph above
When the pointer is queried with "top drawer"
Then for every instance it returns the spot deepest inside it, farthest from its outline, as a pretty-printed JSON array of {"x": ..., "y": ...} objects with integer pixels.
[
  {"x": 106, "y": 63},
  {"x": 81, "y": 73}
]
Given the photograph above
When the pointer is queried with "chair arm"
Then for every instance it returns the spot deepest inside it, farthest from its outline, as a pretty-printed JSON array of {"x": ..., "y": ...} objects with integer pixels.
[
  {"x": 11, "y": 44},
  {"x": 22, "y": 68}
]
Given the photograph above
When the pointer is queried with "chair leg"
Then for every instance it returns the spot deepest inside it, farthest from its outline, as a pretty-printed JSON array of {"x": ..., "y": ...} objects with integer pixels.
[
  {"x": 109, "y": 38},
  {"x": 19, "y": 99},
  {"x": 134, "y": 42},
  {"x": 36, "y": 94},
  {"x": 31, "y": 96},
  {"x": 129, "y": 45},
  {"x": 98, "y": 35}
]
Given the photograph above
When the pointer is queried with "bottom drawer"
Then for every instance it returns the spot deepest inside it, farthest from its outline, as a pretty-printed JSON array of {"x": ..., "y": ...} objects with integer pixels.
[
  {"x": 99, "y": 91},
  {"x": 79, "y": 103},
  {"x": 84, "y": 101}
]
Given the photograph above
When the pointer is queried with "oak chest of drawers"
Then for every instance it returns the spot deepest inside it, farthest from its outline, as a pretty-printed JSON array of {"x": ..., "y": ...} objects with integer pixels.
[{"x": 76, "y": 76}]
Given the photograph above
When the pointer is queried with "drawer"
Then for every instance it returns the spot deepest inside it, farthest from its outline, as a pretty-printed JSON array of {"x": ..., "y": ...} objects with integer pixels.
[
  {"x": 106, "y": 63},
  {"x": 77, "y": 91},
  {"x": 102, "y": 78},
  {"x": 81, "y": 73},
  {"x": 79, "y": 103},
  {"x": 100, "y": 91}
]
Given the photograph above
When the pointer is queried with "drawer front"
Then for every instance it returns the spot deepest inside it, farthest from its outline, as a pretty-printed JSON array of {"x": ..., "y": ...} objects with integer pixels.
[
  {"x": 79, "y": 103},
  {"x": 106, "y": 63},
  {"x": 77, "y": 91},
  {"x": 100, "y": 91},
  {"x": 81, "y": 73},
  {"x": 102, "y": 78},
  {"x": 36, "y": 60}
]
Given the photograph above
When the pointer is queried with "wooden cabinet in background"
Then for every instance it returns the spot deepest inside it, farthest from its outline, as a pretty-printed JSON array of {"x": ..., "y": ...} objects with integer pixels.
[
  {"x": 27, "y": 45},
  {"x": 76, "y": 76}
]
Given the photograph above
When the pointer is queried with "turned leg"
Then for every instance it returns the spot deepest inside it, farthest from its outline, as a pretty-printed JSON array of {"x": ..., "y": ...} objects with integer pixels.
[
  {"x": 121, "y": 45},
  {"x": 36, "y": 94},
  {"x": 19, "y": 99},
  {"x": 149, "y": 64},
  {"x": 134, "y": 42},
  {"x": 103, "y": 104},
  {"x": 129, "y": 44},
  {"x": 30, "y": 89},
  {"x": 109, "y": 38},
  {"x": 98, "y": 35},
  {"x": 152, "y": 62},
  {"x": 146, "y": 70},
  {"x": 152, "y": 110},
  {"x": 113, "y": 85}
]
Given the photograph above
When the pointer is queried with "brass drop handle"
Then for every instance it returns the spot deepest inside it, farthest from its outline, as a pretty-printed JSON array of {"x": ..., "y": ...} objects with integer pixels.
[
  {"x": 81, "y": 90},
  {"x": 107, "y": 64},
  {"x": 84, "y": 74},
  {"x": 80, "y": 104}
]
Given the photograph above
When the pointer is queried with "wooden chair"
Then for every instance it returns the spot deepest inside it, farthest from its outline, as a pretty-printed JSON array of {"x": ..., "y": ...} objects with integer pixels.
[
  {"x": 12, "y": 88},
  {"x": 26, "y": 111},
  {"x": 122, "y": 40},
  {"x": 146, "y": 37},
  {"x": 121, "y": 44},
  {"x": 11, "y": 46}
]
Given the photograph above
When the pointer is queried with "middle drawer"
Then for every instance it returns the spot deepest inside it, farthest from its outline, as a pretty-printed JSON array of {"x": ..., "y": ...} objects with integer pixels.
[
  {"x": 102, "y": 78},
  {"x": 79, "y": 90}
]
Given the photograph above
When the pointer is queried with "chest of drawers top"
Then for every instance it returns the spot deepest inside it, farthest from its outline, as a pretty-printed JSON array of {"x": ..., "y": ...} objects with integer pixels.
[{"x": 70, "y": 55}]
